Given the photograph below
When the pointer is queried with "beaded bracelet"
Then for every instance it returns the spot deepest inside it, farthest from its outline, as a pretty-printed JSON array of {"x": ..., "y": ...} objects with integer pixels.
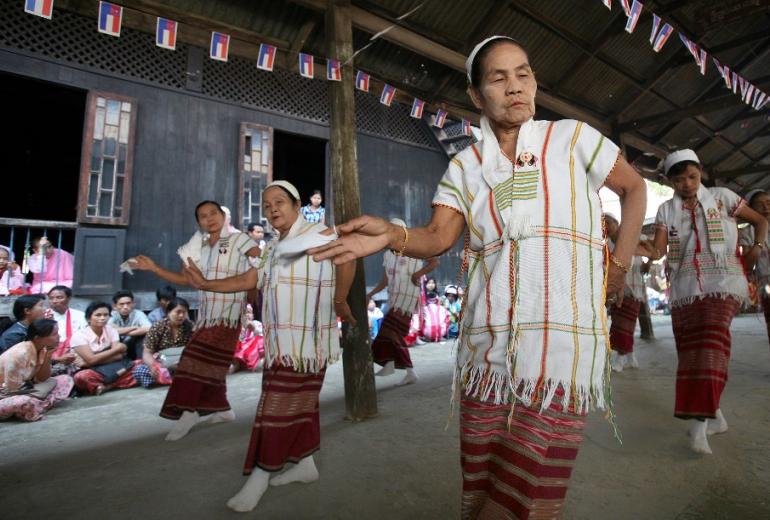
[
  {"x": 620, "y": 265},
  {"x": 406, "y": 240}
]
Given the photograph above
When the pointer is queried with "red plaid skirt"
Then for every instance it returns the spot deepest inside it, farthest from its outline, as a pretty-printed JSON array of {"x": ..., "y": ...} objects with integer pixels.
[
  {"x": 199, "y": 381},
  {"x": 623, "y": 325},
  {"x": 518, "y": 472},
  {"x": 287, "y": 426},
  {"x": 390, "y": 345},
  {"x": 702, "y": 334}
]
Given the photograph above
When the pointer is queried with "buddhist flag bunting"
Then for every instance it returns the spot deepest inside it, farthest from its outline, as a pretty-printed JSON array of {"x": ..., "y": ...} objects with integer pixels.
[
  {"x": 760, "y": 100},
  {"x": 702, "y": 61},
  {"x": 305, "y": 65},
  {"x": 43, "y": 8},
  {"x": 362, "y": 81},
  {"x": 467, "y": 128},
  {"x": 333, "y": 70},
  {"x": 110, "y": 18},
  {"x": 417, "y": 107},
  {"x": 388, "y": 92},
  {"x": 220, "y": 46},
  {"x": 691, "y": 46},
  {"x": 165, "y": 34},
  {"x": 659, "y": 38},
  {"x": 608, "y": 3},
  {"x": 724, "y": 71},
  {"x": 626, "y": 7},
  {"x": 633, "y": 16},
  {"x": 266, "y": 58},
  {"x": 749, "y": 96},
  {"x": 440, "y": 119}
]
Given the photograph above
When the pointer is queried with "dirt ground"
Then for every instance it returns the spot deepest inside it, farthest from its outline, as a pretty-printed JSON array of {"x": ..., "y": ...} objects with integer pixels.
[{"x": 105, "y": 457}]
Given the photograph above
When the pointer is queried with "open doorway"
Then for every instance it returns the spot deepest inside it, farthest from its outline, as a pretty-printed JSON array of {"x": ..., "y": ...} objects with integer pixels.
[
  {"x": 301, "y": 160},
  {"x": 40, "y": 140}
]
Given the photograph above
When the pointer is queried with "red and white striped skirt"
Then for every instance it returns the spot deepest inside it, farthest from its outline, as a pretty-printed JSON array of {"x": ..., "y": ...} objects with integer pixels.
[
  {"x": 703, "y": 342},
  {"x": 518, "y": 472},
  {"x": 390, "y": 343},
  {"x": 624, "y": 324}
]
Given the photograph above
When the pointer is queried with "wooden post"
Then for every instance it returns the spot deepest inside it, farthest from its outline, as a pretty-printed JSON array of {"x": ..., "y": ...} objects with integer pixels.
[
  {"x": 645, "y": 321},
  {"x": 360, "y": 394}
]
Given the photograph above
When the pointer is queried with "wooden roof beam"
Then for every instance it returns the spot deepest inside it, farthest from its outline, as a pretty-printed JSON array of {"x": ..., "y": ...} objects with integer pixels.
[{"x": 731, "y": 174}]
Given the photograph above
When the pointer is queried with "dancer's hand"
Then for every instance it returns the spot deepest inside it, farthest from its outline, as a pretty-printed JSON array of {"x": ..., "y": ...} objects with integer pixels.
[
  {"x": 616, "y": 281},
  {"x": 359, "y": 237},
  {"x": 416, "y": 279},
  {"x": 343, "y": 311},
  {"x": 143, "y": 263},
  {"x": 194, "y": 275}
]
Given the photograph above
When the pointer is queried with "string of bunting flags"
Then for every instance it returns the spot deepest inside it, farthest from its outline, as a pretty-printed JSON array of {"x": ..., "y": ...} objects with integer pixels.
[
  {"x": 661, "y": 31},
  {"x": 110, "y": 19}
]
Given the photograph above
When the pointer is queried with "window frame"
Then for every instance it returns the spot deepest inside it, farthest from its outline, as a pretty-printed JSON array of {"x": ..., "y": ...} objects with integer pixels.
[
  {"x": 242, "y": 173},
  {"x": 85, "y": 161}
]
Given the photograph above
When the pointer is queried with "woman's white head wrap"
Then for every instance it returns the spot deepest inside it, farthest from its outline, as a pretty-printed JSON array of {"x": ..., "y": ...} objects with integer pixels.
[
  {"x": 677, "y": 157},
  {"x": 477, "y": 48},
  {"x": 10, "y": 253},
  {"x": 285, "y": 185}
]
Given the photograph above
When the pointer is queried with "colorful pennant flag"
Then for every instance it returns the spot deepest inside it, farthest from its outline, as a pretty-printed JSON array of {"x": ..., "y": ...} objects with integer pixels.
[
  {"x": 749, "y": 96},
  {"x": 220, "y": 46},
  {"x": 735, "y": 80},
  {"x": 626, "y": 7},
  {"x": 306, "y": 63},
  {"x": 658, "y": 38},
  {"x": 333, "y": 70},
  {"x": 744, "y": 85},
  {"x": 467, "y": 128},
  {"x": 440, "y": 119},
  {"x": 702, "y": 61},
  {"x": 724, "y": 71},
  {"x": 760, "y": 100},
  {"x": 266, "y": 58},
  {"x": 633, "y": 16},
  {"x": 362, "y": 81},
  {"x": 388, "y": 92},
  {"x": 417, "y": 107},
  {"x": 43, "y": 8},
  {"x": 165, "y": 34},
  {"x": 110, "y": 18},
  {"x": 607, "y": 3}
]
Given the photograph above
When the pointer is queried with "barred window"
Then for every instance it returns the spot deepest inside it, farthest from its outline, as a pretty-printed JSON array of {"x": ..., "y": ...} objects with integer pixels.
[{"x": 107, "y": 160}]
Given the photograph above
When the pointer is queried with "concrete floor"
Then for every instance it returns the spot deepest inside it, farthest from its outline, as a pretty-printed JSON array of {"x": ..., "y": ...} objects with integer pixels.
[{"x": 105, "y": 457}]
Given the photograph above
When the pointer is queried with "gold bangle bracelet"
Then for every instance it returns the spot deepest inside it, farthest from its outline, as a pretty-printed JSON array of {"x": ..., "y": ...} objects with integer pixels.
[
  {"x": 406, "y": 240},
  {"x": 620, "y": 265}
]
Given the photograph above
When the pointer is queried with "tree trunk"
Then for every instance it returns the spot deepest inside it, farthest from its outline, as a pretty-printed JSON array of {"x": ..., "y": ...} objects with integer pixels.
[{"x": 360, "y": 394}]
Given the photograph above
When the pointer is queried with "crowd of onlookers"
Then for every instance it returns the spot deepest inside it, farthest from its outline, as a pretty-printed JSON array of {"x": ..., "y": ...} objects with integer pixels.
[{"x": 437, "y": 318}]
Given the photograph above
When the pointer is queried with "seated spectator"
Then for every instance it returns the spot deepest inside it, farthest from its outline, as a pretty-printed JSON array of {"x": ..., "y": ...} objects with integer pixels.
[
  {"x": 164, "y": 295},
  {"x": 453, "y": 305},
  {"x": 100, "y": 354},
  {"x": 251, "y": 344},
  {"x": 435, "y": 319},
  {"x": 50, "y": 266},
  {"x": 132, "y": 324},
  {"x": 257, "y": 233},
  {"x": 11, "y": 279},
  {"x": 375, "y": 315},
  {"x": 69, "y": 321},
  {"x": 172, "y": 332},
  {"x": 27, "y": 389},
  {"x": 26, "y": 309}
]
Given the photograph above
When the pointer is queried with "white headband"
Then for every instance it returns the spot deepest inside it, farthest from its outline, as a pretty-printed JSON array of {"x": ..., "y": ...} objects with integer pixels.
[
  {"x": 677, "y": 157},
  {"x": 285, "y": 185},
  {"x": 750, "y": 195},
  {"x": 477, "y": 48}
]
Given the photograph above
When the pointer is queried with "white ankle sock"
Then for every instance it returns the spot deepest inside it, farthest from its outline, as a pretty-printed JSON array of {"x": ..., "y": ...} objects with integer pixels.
[
  {"x": 218, "y": 417},
  {"x": 616, "y": 362},
  {"x": 182, "y": 426},
  {"x": 698, "y": 441},
  {"x": 631, "y": 360},
  {"x": 718, "y": 425},
  {"x": 388, "y": 369},
  {"x": 304, "y": 471},
  {"x": 409, "y": 378},
  {"x": 248, "y": 497}
]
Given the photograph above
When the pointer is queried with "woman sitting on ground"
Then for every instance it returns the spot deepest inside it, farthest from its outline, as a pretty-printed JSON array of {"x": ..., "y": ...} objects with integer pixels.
[
  {"x": 100, "y": 354},
  {"x": 11, "y": 279},
  {"x": 251, "y": 344},
  {"x": 26, "y": 388},
  {"x": 26, "y": 309},
  {"x": 172, "y": 332}
]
